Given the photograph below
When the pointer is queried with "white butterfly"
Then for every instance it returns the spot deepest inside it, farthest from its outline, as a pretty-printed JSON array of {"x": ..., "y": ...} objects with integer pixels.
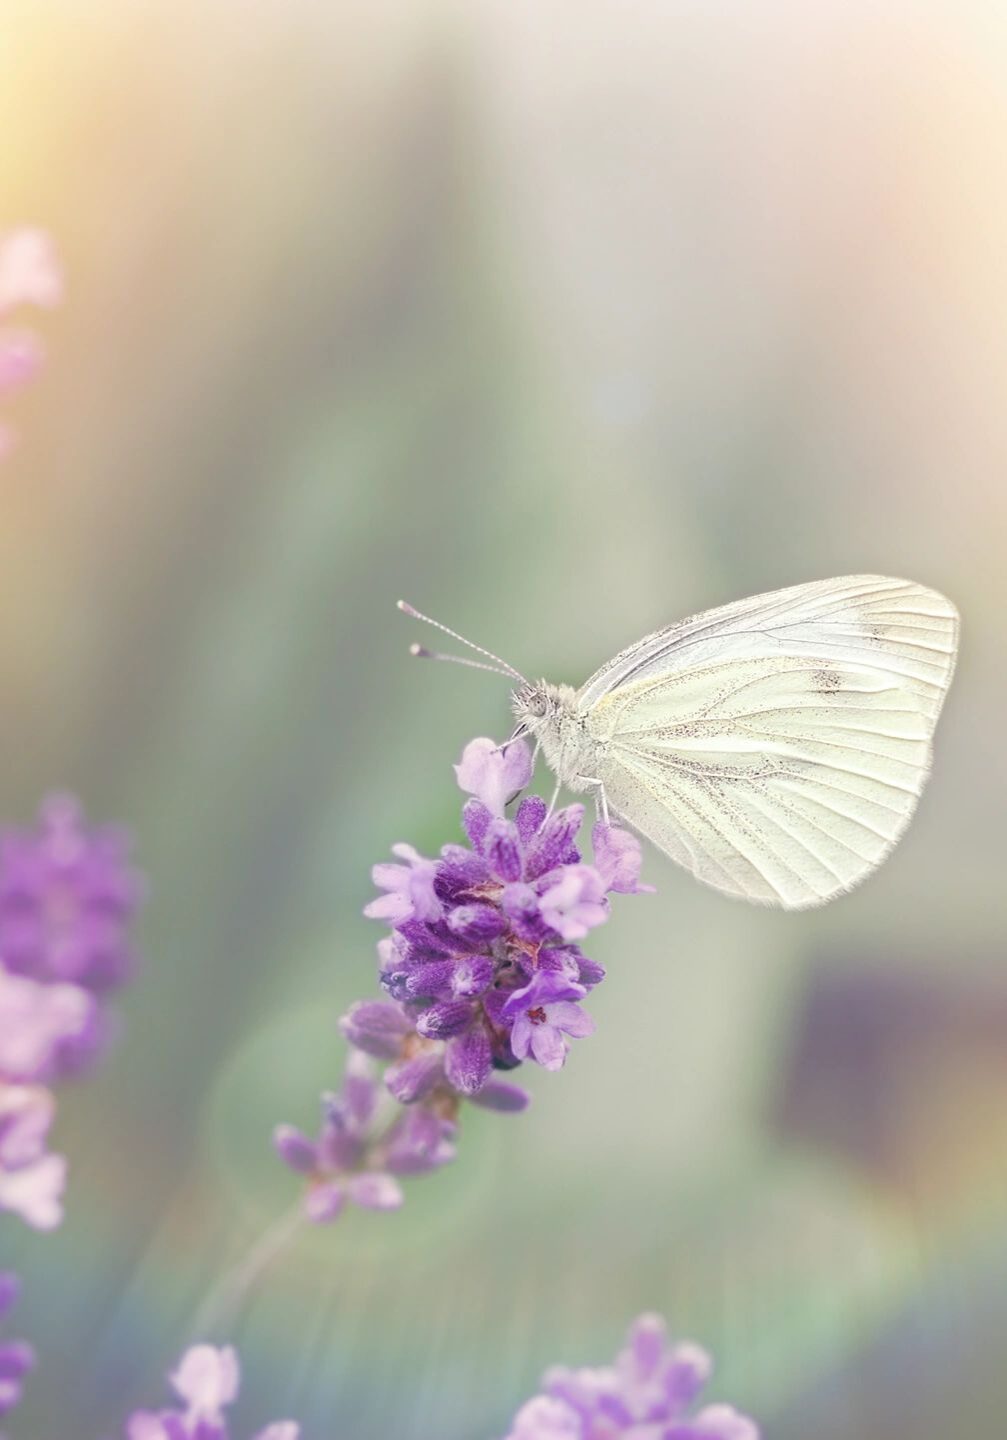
[{"x": 775, "y": 747}]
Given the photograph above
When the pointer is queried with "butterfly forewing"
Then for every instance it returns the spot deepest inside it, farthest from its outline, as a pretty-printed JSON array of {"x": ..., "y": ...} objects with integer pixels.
[{"x": 777, "y": 747}]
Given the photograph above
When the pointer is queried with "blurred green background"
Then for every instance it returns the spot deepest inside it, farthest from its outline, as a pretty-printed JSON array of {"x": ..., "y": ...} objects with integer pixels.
[{"x": 562, "y": 320}]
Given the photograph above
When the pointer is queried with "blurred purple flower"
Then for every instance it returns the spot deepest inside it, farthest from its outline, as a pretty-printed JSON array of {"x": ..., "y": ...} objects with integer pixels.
[
  {"x": 16, "y": 1357},
  {"x": 206, "y": 1381},
  {"x": 29, "y": 275},
  {"x": 67, "y": 894},
  {"x": 36, "y": 1020},
  {"x": 31, "y": 1178},
  {"x": 648, "y": 1394}
]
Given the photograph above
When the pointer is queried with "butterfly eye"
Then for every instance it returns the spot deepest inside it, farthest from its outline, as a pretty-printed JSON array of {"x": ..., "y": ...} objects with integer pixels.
[{"x": 537, "y": 704}]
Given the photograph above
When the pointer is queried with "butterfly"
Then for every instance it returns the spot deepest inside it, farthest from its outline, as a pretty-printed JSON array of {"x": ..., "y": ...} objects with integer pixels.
[{"x": 775, "y": 747}]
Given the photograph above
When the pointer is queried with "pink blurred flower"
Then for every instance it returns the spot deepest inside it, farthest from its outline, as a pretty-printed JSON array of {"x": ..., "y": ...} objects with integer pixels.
[{"x": 30, "y": 274}]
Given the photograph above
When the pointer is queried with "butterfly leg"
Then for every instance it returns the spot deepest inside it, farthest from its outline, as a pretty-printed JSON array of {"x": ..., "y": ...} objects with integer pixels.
[
  {"x": 552, "y": 803},
  {"x": 600, "y": 798}
]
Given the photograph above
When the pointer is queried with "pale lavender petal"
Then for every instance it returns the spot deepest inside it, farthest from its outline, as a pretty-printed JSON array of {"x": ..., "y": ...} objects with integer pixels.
[
  {"x": 546, "y": 1418},
  {"x": 145, "y": 1425},
  {"x": 493, "y": 773},
  {"x": 568, "y": 1016},
  {"x": 323, "y": 1203},
  {"x": 717, "y": 1422},
  {"x": 521, "y": 1036},
  {"x": 375, "y": 1191},
  {"x": 548, "y": 1046},
  {"x": 618, "y": 858},
  {"x": 207, "y": 1378},
  {"x": 35, "y": 1191},
  {"x": 575, "y": 903},
  {"x": 280, "y": 1430}
]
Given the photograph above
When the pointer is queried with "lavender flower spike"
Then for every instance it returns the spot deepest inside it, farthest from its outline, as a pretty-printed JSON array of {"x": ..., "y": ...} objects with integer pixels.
[
  {"x": 481, "y": 971},
  {"x": 206, "y": 1381},
  {"x": 649, "y": 1392},
  {"x": 483, "y": 961}
]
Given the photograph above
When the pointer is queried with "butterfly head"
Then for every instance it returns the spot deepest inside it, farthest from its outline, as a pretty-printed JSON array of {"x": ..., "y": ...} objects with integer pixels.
[{"x": 538, "y": 706}]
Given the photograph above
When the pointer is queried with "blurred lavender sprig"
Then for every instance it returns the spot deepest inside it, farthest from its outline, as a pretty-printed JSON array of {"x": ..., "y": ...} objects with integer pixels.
[
  {"x": 482, "y": 970},
  {"x": 30, "y": 274},
  {"x": 206, "y": 1381},
  {"x": 650, "y": 1392},
  {"x": 67, "y": 896}
]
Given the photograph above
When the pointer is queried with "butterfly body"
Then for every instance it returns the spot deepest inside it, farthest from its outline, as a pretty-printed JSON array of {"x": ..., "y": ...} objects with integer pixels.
[{"x": 775, "y": 747}]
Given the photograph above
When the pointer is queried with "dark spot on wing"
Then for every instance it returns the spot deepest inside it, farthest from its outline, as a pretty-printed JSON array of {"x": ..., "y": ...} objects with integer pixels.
[{"x": 825, "y": 681}]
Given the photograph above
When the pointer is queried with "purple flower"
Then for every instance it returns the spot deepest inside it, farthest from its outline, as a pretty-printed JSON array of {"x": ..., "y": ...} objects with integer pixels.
[
  {"x": 485, "y": 922},
  {"x": 482, "y": 971},
  {"x": 29, "y": 275},
  {"x": 409, "y": 888},
  {"x": 206, "y": 1381},
  {"x": 545, "y": 1012},
  {"x": 649, "y": 1393},
  {"x": 356, "y": 1156},
  {"x": 31, "y": 1179},
  {"x": 36, "y": 1020},
  {"x": 67, "y": 897},
  {"x": 16, "y": 1357}
]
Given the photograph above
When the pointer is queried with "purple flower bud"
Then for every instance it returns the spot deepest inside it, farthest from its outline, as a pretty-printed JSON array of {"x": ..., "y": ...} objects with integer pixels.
[
  {"x": 476, "y": 819},
  {"x": 468, "y": 1061},
  {"x": 553, "y": 846},
  {"x": 445, "y": 1019},
  {"x": 499, "y": 1095},
  {"x": 530, "y": 817},
  {"x": 377, "y": 1027},
  {"x": 411, "y": 1080},
  {"x": 502, "y": 852},
  {"x": 632, "y": 1395},
  {"x": 459, "y": 870},
  {"x": 473, "y": 975},
  {"x": 295, "y": 1149},
  {"x": 477, "y": 924},
  {"x": 431, "y": 981}
]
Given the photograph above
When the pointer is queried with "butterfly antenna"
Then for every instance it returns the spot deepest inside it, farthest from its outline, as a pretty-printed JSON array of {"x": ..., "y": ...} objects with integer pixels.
[{"x": 499, "y": 667}]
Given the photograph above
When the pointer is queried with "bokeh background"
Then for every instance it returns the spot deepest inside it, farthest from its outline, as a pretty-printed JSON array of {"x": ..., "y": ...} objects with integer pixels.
[{"x": 563, "y": 320}]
